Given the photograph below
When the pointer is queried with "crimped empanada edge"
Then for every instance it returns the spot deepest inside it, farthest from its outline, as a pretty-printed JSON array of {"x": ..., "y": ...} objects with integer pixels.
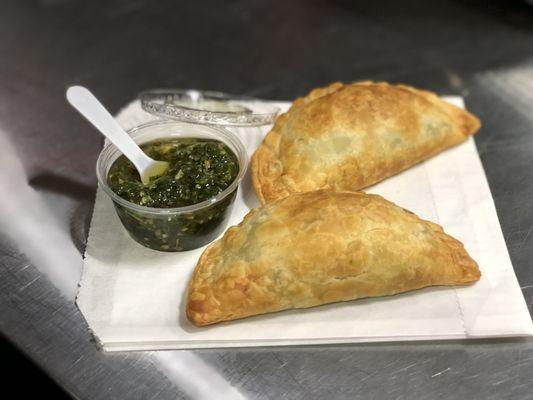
[
  {"x": 469, "y": 267},
  {"x": 203, "y": 265},
  {"x": 268, "y": 187}
]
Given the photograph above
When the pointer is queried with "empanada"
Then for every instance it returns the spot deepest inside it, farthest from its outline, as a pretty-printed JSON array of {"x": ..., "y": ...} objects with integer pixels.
[
  {"x": 321, "y": 247},
  {"x": 348, "y": 137}
]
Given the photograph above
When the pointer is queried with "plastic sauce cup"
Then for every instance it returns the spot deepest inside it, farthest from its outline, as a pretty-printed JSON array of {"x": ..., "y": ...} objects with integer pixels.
[{"x": 181, "y": 228}]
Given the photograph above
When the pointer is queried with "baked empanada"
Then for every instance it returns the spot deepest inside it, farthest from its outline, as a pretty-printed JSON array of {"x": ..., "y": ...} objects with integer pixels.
[
  {"x": 348, "y": 137},
  {"x": 321, "y": 247}
]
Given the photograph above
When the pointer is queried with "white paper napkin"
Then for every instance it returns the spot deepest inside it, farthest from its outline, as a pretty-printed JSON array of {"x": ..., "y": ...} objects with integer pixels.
[{"x": 133, "y": 297}]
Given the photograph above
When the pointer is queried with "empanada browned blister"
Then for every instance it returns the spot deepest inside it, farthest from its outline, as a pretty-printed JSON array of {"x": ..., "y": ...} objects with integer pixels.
[
  {"x": 320, "y": 247},
  {"x": 350, "y": 136}
]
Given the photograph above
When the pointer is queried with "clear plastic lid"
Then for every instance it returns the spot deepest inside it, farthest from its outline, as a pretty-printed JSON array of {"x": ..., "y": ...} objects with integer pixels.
[{"x": 213, "y": 108}]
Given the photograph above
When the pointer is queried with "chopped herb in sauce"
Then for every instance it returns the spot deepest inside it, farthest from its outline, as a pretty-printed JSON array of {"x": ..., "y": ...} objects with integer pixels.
[{"x": 199, "y": 170}]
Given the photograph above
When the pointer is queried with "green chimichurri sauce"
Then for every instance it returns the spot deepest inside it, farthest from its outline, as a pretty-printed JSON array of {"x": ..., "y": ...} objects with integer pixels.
[{"x": 199, "y": 169}]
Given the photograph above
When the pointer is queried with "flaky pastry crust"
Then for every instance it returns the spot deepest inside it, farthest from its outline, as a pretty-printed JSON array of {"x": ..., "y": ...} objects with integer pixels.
[
  {"x": 350, "y": 136},
  {"x": 320, "y": 247}
]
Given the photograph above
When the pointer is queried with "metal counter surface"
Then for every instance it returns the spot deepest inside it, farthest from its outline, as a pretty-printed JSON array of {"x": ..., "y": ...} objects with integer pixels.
[{"x": 276, "y": 51}]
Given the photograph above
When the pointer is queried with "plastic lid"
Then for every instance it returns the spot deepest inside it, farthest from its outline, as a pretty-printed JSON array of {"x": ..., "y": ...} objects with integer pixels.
[{"x": 213, "y": 108}]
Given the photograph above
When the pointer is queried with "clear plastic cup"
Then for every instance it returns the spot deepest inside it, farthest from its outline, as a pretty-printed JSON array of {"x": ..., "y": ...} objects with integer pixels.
[{"x": 181, "y": 228}]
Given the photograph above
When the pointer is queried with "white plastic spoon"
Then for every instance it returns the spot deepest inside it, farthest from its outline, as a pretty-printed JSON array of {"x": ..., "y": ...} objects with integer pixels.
[{"x": 84, "y": 101}]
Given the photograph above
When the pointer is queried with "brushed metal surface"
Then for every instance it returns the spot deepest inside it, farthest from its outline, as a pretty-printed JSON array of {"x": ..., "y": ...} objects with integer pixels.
[{"x": 271, "y": 50}]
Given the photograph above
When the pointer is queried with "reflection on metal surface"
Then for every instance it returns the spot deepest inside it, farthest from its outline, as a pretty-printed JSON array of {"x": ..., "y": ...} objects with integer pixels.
[
  {"x": 514, "y": 84},
  {"x": 192, "y": 375},
  {"x": 132, "y": 45},
  {"x": 27, "y": 221}
]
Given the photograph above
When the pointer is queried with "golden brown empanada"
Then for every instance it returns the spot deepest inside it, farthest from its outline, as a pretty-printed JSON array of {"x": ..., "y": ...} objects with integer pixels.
[
  {"x": 321, "y": 247},
  {"x": 347, "y": 137}
]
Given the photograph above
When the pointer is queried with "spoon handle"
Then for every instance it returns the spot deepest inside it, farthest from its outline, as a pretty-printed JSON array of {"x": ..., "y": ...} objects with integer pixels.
[{"x": 89, "y": 106}]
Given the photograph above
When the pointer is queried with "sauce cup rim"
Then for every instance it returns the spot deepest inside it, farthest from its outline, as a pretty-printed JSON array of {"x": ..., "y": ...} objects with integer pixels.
[{"x": 109, "y": 150}]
